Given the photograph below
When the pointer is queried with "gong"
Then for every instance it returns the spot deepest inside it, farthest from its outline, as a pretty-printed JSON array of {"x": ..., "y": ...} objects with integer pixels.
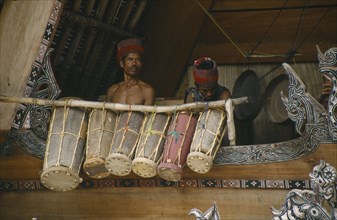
[
  {"x": 273, "y": 104},
  {"x": 248, "y": 84}
]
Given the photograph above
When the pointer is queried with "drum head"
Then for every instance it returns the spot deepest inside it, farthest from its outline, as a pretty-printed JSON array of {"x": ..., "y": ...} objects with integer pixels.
[
  {"x": 95, "y": 168},
  {"x": 118, "y": 164},
  {"x": 248, "y": 85},
  {"x": 273, "y": 105},
  {"x": 144, "y": 167},
  {"x": 60, "y": 178},
  {"x": 170, "y": 171},
  {"x": 199, "y": 162}
]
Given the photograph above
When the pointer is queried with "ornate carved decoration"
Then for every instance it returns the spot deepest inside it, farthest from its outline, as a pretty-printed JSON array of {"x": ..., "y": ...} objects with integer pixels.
[
  {"x": 33, "y": 140},
  {"x": 41, "y": 58},
  {"x": 307, "y": 204},
  {"x": 45, "y": 87},
  {"x": 35, "y": 74},
  {"x": 311, "y": 119},
  {"x": 28, "y": 141},
  {"x": 211, "y": 214},
  {"x": 328, "y": 67}
]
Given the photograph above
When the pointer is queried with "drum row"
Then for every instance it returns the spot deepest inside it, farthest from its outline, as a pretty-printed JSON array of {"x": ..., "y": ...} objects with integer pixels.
[{"x": 118, "y": 143}]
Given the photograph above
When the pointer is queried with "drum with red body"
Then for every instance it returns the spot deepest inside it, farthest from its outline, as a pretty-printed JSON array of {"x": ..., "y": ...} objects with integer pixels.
[{"x": 177, "y": 146}]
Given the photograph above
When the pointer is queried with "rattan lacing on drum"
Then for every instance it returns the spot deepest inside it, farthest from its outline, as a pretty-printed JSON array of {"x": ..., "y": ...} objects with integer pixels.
[
  {"x": 218, "y": 131},
  {"x": 148, "y": 132},
  {"x": 101, "y": 128},
  {"x": 126, "y": 129},
  {"x": 177, "y": 135}
]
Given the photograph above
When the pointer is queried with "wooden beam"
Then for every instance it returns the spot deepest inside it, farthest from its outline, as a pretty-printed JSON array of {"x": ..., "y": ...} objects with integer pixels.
[{"x": 234, "y": 5}]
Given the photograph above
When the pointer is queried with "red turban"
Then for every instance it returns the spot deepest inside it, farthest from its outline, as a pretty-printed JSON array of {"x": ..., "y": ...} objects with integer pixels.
[
  {"x": 127, "y": 46},
  {"x": 205, "y": 72}
]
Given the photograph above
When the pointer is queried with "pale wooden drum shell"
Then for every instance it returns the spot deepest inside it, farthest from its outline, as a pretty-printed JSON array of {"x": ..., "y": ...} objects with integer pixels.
[
  {"x": 128, "y": 129},
  {"x": 151, "y": 143},
  {"x": 101, "y": 130},
  {"x": 64, "y": 149},
  {"x": 207, "y": 139}
]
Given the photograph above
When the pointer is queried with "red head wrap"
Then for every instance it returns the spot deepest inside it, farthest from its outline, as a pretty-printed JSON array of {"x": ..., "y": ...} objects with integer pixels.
[
  {"x": 127, "y": 46},
  {"x": 205, "y": 72}
]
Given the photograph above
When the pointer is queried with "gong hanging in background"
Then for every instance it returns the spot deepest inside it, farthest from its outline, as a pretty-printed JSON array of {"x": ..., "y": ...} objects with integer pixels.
[
  {"x": 273, "y": 104},
  {"x": 248, "y": 84}
]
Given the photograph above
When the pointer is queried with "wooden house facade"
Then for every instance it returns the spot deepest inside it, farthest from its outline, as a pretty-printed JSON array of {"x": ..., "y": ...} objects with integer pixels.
[{"x": 62, "y": 48}]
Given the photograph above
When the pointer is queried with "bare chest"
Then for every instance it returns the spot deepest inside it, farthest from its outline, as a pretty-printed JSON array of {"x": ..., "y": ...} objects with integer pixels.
[{"x": 129, "y": 95}]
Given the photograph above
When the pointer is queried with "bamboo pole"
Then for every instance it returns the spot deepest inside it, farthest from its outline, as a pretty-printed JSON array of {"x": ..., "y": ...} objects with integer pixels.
[{"x": 196, "y": 106}]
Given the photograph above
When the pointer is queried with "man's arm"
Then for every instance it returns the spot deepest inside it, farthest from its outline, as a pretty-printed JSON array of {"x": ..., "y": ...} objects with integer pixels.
[
  {"x": 188, "y": 98},
  {"x": 225, "y": 95},
  {"x": 149, "y": 96},
  {"x": 192, "y": 95},
  {"x": 110, "y": 93}
]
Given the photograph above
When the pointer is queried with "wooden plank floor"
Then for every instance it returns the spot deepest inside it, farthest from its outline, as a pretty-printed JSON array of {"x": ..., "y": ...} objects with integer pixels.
[{"x": 140, "y": 203}]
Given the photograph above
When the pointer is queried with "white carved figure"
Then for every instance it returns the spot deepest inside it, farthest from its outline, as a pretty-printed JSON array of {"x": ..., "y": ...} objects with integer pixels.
[
  {"x": 211, "y": 214},
  {"x": 328, "y": 68},
  {"x": 320, "y": 203}
]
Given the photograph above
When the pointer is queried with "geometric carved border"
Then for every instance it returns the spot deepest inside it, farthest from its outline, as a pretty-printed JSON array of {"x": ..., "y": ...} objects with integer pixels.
[{"x": 188, "y": 183}]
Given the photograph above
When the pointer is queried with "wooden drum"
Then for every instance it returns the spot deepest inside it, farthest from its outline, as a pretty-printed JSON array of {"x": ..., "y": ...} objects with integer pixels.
[
  {"x": 151, "y": 143},
  {"x": 177, "y": 146},
  {"x": 207, "y": 139},
  {"x": 101, "y": 130},
  {"x": 129, "y": 125},
  {"x": 64, "y": 149}
]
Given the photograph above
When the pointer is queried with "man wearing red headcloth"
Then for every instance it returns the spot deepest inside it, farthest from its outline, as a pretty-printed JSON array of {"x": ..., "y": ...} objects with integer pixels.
[
  {"x": 205, "y": 74},
  {"x": 132, "y": 90}
]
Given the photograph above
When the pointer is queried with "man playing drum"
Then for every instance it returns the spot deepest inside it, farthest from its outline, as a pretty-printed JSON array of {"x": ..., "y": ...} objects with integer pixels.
[
  {"x": 132, "y": 90},
  {"x": 211, "y": 124},
  {"x": 205, "y": 74}
]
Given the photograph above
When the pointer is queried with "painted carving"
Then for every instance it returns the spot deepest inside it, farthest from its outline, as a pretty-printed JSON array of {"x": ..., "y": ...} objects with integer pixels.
[
  {"x": 211, "y": 214},
  {"x": 27, "y": 140},
  {"x": 45, "y": 87},
  {"x": 320, "y": 203},
  {"x": 33, "y": 140},
  {"x": 328, "y": 67},
  {"x": 312, "y": 121}
]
